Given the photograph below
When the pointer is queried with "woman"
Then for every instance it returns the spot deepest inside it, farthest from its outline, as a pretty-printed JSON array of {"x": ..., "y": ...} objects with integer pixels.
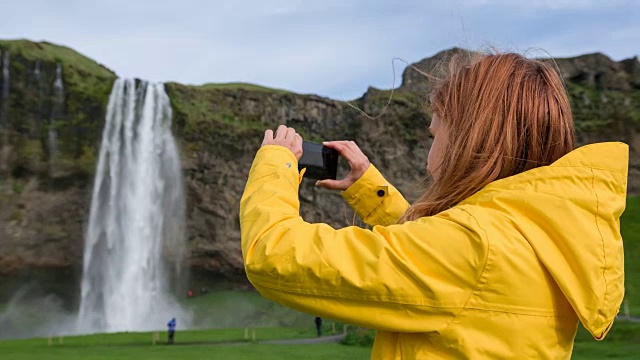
[{"x": 516, "y": 240}]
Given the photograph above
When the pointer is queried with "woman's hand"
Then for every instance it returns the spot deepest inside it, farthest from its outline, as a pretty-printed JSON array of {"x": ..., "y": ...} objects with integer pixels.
[
  {"x": 357, "y": 160},
  {"x": 285, "y": 136}
]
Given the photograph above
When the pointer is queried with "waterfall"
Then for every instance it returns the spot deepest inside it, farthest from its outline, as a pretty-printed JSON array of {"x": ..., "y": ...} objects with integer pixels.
[
  {"x": 58, "y": 86},
  {"x": 5, "y": 75},
  {"x": 136, "y": 221},
  {"x": 37, "y": 71},
  {"x": 56, "y": 110},
  {"x": 4, "y": 97}
]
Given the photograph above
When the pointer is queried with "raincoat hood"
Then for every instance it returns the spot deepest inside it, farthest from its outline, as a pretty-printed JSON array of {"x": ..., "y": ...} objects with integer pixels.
[{"x": 572, "y": 212}]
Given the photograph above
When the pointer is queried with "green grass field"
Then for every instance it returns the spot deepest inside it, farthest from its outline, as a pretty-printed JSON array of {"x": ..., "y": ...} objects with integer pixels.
[
  {"x": 622, "y": 343},
  {"x": 227, "y": 313},
  {"x": 630, "y": 228},
  {"x": 205, "y": 344}
]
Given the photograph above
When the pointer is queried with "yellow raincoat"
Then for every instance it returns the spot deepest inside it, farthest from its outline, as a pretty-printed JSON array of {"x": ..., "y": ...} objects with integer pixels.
[{"x": 505, "y": 274}]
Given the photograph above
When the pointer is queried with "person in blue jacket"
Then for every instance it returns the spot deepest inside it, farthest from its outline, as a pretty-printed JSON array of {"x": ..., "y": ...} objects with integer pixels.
[{"x": 172, "y": 330}]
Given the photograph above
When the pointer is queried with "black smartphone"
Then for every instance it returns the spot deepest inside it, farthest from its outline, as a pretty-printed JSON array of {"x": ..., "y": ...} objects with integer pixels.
[{"x": 321, "y": 162}]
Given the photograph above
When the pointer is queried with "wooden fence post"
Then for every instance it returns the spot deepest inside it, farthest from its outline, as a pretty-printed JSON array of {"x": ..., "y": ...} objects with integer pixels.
[{"x": 626, "y": 308}]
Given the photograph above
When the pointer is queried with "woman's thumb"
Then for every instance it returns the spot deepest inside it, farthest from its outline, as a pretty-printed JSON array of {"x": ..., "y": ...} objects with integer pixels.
[{"x": 331, "y": 184}]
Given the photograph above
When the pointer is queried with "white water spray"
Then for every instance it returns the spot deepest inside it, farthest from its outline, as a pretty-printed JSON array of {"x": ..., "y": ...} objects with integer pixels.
[
  {"x": 37, "y": 71},
  {"x": 136, "y": 222},
  {"x": 5, "y": 75},
  {"x": 4, "y": 98},
  {"x": 56, "y": 110},
  {"x": 58, "y": 85}
]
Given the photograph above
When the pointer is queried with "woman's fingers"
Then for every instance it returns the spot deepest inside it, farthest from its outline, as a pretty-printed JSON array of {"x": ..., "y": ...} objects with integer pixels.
[
  {"x": 332, "y": 184},
  {"x": 296, "y": 144},
  {"x": 357, "y": 160},
  {"x": 290, "y": 133},
  {"x": 348, "y": 149},
  {"x": 286, "y": 137},
  {"x": 268, "y": 137},
  {"x": 281, "y": 132}
]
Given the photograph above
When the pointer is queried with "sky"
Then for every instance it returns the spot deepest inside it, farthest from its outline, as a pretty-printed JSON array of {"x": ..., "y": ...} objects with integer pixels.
[{"x": 332, "y": 48}]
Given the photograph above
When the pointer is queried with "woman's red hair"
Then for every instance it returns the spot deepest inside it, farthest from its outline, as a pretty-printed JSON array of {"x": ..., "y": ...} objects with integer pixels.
[{"x": 504, "y": 114}]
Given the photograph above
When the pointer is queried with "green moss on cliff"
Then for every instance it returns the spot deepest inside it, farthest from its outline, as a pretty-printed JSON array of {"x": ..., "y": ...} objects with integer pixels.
[
  {"x": 398, "y": 96},
  {"x": 597, "y": 110},
  {"x": 48, "y": 52},
  {"x": 81, "y": 74},
  {"x": 195, "y": 105},
  {"x": 241, "y": 86},
  {"x": 205, "y": 116},
  {"x": 78, "y": 124}
]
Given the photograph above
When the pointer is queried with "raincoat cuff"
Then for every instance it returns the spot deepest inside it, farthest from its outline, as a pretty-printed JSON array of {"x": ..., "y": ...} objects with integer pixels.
[
  {"x": 275, "y": 159},
  {"x": 367, "y": 193}
]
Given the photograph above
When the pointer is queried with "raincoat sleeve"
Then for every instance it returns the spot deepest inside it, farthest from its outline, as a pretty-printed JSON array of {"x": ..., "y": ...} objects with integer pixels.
[
  {"x": 413, "y": 277},
  {"x": 375, "y": 200}
]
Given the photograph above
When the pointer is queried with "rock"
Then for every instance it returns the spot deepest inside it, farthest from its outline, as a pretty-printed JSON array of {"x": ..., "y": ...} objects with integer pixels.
[
  {"x": 596, "y": 71},
  {"x": 632, "y": 67},
  {"x": 219, "y": 127}
]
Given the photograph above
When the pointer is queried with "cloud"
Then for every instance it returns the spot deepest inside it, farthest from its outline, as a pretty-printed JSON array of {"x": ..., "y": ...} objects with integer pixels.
[
  {"x": 333, "y": 48},
  {"x": 549, "y": 4}
]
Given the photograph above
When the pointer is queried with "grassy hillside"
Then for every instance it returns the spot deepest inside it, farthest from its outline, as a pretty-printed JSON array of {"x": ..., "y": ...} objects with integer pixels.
[
  {"x": 630, "y": 228},
  {"x": 241, "y": 86},
  {"x": 29, "y": 107},
  {"x": 80, "y": 73},
  {"x": 45, "y": 51}
]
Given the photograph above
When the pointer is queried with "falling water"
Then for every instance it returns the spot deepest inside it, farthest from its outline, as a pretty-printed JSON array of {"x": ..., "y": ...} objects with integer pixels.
[
  {"x": 136, "y": 223},
  {"x": 4, "y": 98},
  {"x": 37, "y": 71},
  {"x": 5, "y": 75},
  {"x": 58, "y": 86},
  {"x": 56, "y": 111}
]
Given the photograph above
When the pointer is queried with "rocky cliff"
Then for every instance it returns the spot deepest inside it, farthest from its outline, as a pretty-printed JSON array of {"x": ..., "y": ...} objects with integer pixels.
[{"x": 45, "y": 184}]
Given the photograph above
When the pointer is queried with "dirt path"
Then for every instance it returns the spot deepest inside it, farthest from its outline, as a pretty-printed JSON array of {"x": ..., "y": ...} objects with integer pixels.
[
  {"x": 319, "y": 340},
  {"x": 629, "y": 318},
  {"x": 316, "y": 340}
]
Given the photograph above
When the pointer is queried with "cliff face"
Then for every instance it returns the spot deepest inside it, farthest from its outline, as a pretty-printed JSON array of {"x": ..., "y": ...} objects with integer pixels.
[
  {"x": 45, "y": 189},
  {"x": 222, "y": 128},
  {"x": 52, "y": 109}
]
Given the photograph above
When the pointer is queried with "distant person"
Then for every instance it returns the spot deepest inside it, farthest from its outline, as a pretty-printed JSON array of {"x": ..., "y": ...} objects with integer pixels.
[
  {"x": 515, "y": 241},
  {"x": 319, "y": 325},
  {"x": 172, "y": 330}
]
